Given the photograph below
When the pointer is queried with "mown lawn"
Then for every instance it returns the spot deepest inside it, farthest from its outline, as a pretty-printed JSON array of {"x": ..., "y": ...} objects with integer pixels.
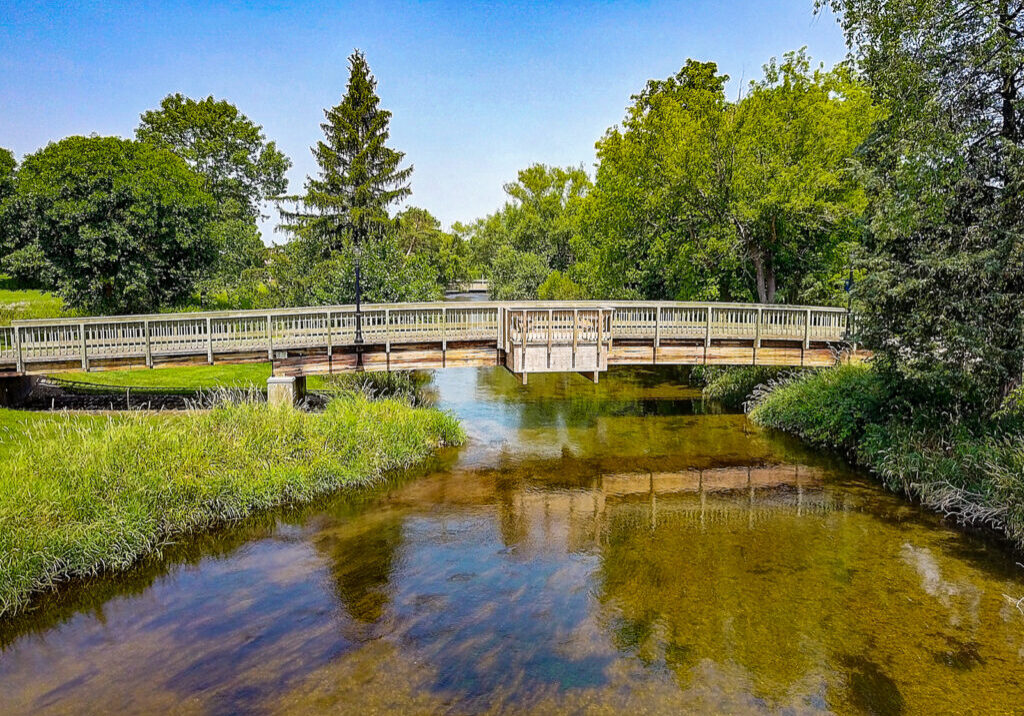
[
  {"x": 17, "y": 305},
  {"x": 80, "y": 495}
]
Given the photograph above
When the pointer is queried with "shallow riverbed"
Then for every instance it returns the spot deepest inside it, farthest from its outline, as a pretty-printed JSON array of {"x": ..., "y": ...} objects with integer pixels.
[{"x": 591, "y": 549}]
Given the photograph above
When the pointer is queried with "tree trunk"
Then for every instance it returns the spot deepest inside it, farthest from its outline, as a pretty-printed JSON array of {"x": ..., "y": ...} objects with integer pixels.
[{"x": 759, "y": 271}]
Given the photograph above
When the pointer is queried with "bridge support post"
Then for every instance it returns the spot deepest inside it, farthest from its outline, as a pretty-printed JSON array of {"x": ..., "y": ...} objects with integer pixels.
[{"x": 288, "y": 389}]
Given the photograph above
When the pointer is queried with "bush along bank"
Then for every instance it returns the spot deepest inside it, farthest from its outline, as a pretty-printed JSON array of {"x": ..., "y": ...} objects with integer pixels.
[
  {"x": 732, "y": 385},
  {"x": 972, "y": 473},
  {"x": 80, "y": 496}
]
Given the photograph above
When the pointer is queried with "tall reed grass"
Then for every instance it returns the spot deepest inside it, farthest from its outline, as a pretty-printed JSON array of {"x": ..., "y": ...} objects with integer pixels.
[{"x": 80, "y": 497}]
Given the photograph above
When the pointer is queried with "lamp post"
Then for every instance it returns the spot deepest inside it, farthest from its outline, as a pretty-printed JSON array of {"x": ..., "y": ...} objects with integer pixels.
[{"x": 359, "y": 297}]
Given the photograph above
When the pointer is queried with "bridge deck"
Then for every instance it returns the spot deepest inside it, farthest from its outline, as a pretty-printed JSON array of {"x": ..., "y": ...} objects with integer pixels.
[{"x": 526, "y": 337}]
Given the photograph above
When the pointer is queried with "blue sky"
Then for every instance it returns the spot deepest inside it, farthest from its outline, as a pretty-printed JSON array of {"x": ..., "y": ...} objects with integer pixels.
[{"x": 478, "y": 90}]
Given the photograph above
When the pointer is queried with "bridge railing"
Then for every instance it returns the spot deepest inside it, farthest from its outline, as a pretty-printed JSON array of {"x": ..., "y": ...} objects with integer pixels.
[{"x": 264, "y": 332}]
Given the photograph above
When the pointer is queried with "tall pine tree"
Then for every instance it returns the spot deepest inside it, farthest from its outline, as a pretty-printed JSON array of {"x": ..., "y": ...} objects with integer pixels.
[{"x": 359, "y": 177}]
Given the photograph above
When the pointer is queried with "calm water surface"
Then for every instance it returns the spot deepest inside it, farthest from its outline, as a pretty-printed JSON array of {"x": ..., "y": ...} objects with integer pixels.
[{"x": 592, "y": 549}]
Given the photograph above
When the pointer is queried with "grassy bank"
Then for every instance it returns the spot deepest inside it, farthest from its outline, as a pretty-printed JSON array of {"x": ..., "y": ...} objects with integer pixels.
[
  {"x": 83, "y": 495},
  {"x": 971, "y": 473}
]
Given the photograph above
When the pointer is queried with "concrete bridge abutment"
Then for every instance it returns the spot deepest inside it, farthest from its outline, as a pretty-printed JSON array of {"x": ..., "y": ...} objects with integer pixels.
[{"x": 286, "y": 390}]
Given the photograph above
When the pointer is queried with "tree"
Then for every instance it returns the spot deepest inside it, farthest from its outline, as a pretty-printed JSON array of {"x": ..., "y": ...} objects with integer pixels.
[
  {"x": 123, "y": 224},
  {"x": 942, "y": 303},
  {"x": 359, "y": 175},
  {"x": 699, "y": 197},
  {"x": 793, "y": 197},
  {"x": 516, "y": 275},
  {"x": 240, "y": 167},
  {"x": 444, "y": 255},
  {"x": 539, "y": 222}
]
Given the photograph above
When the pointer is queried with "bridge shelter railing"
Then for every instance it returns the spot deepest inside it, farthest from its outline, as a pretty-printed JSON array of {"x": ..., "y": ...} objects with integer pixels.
[{"x": 149, "y": 337}]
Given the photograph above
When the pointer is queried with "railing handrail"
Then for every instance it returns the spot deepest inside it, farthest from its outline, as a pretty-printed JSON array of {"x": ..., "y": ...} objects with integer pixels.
[{"x": 371, "y": 308}]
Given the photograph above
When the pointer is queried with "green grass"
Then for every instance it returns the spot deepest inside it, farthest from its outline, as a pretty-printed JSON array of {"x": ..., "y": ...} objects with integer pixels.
[
  {"x": 18, "y": 305},
  {"x": 80, "y": 495},
  {"x": 971, "y": 473}
]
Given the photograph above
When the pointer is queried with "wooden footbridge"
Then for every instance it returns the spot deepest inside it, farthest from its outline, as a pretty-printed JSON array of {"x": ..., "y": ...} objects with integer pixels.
[{"x": 525, "y": 337}]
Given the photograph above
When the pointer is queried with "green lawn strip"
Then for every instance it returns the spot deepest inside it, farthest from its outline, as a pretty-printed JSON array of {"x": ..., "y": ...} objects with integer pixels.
[
  {"x": 972, "y": 473},
  {"x": 81, "y": 495},
  {"x": 18, "y": 305}
]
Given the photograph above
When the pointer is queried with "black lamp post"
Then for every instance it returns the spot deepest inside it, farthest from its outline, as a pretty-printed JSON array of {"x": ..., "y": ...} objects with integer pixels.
[{"x": 359, "y": 297}]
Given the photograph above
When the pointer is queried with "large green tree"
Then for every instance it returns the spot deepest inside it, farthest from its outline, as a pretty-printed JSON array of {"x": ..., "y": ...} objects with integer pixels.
[
  {"x": 242, "y": 169},
  {"x": 537, "y": 225},
  {"x": 942, "y": 302},
  {"x": 123, "y": 224},
  {"x": 444, "y": 255},
  {"x": 359, "y": 177},
  {"x": 699, "y": 197}
]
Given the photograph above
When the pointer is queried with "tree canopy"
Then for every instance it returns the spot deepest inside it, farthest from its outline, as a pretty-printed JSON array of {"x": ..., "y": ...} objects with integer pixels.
[
  {"x": 241, "y": 168},
  {"x": 122, "y": 224},
  {"x": 699, "y": 197},
  {"x": 942, "y": 301},
  {"x": 359, "y": 178}
]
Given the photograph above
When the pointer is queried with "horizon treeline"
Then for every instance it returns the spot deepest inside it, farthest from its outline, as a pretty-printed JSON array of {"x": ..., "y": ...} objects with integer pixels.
[{"x": 893, "y": 181}]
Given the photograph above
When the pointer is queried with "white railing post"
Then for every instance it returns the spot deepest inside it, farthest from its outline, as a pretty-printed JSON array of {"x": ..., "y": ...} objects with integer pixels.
[
  {"x": 18, "y": 355},
  {"x": 707, "y": 328},
  {"x": 807, "y": 330},
  {"x": 149, "y": 350},
  {"x": 270, "y": 338},
  {"x": 757, "y": 332},
  {"x": 209, "y": 341},
  {"x": 82, "y": 347}
]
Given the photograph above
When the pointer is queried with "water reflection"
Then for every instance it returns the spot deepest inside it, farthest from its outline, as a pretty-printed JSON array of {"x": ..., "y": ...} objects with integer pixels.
[{"x": 592, "y": 549}]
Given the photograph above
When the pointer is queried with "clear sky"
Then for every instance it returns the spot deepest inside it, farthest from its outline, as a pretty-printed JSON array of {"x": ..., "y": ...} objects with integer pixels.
[{"x": 478, "y": 90}]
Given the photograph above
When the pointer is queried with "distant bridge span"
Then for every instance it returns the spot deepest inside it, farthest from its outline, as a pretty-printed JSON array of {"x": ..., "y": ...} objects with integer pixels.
[{"x": 524, "y": 336}]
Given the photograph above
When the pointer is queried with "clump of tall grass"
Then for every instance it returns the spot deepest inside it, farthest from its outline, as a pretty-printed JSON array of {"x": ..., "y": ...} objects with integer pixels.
[
  {"x": 732, "y": 385},
  {"x": 971, "y": 473},
  {"x": 80, "y": 497},
  {"x": 403, "y": 385}
]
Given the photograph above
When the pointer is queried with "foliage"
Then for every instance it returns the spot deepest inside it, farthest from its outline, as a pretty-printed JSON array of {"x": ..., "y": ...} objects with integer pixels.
[
  {"x": 240, "y": 167},
  {"x": 559, "y": 287},
  {"x": 538, "y": 224},
  {"x": 419, "y": 235},
  {"x": 516, "y": 275},
  {"x": 123, "y": 224},
  {"x": 731, "y": 386},
  {"x": 359, "y": 175},
  {"x": 829, "y": 408},
  {"x": 80, "y": 496},
  {"x": 407, "y": 386},
  {"x": 944, "y": 260},
  {"x": 8, "y": 173},
  {"x": 239, "y": 248},
  {"x": 700, "y": 198}
]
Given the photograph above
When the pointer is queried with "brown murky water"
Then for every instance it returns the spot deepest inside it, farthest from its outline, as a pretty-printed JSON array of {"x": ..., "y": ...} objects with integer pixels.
[{"x": 592, "y": 549}]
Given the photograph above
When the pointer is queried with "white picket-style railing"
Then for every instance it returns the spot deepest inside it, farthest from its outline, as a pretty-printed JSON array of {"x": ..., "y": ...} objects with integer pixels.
[{"x": 265, "y": 332}]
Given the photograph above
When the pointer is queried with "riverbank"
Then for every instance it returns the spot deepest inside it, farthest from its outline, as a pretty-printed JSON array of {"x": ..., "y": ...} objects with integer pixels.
[
  {"x": 972, "y": 474},
  {"x": 80, "y": 495}
]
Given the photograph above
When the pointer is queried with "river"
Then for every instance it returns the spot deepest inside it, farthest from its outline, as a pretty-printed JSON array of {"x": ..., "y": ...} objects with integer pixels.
[{"x": 591, "y": 549}]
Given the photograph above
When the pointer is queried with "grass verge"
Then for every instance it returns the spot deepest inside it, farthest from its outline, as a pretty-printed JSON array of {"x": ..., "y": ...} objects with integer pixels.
[
  {"x": 79, "y": 496},
  {"x": 973, "y": 474}
]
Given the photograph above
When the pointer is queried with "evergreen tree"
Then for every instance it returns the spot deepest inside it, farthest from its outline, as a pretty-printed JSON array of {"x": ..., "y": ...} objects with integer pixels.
[{"x": 359, "y": 175}]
